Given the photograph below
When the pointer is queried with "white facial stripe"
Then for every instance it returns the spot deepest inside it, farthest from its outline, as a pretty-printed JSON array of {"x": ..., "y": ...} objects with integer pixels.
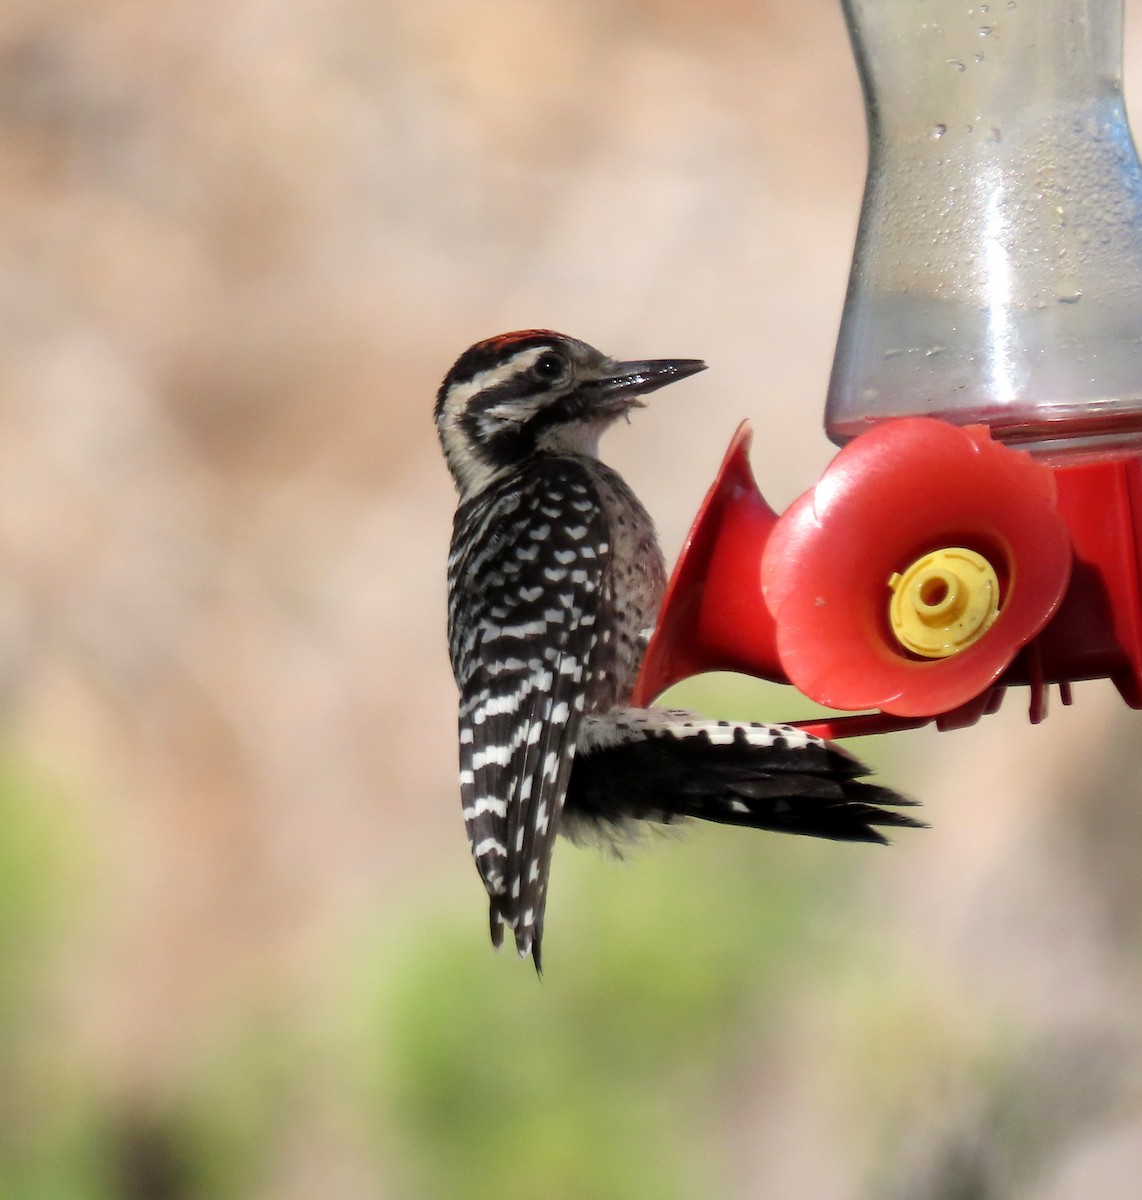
[
  {"x": 472, "y": 473},
  {"x": 460, "y": 395},
  {"x": 518, "y": 411}
]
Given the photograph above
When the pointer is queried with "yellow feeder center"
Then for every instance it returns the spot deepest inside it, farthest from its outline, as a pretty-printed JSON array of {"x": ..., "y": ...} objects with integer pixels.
[{"x": 943, "y": 602}]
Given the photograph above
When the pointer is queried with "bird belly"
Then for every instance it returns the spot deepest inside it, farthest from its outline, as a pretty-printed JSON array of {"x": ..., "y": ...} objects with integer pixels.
[{"x": 632, "y": 592}]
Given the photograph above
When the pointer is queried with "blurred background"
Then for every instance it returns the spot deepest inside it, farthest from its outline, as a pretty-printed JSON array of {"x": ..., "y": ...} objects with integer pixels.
[{"x": 243, "y": 948}]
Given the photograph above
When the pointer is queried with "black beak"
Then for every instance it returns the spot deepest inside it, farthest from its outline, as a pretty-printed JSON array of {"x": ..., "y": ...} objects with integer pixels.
[{"x": 622, "y": 383}]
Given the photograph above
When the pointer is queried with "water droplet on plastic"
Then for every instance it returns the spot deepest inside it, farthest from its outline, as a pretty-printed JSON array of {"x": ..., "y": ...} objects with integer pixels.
[
  {"x": 938, "y": 131},
  {"x": 978, "y": 57},
  {"x": 995, "y": 135},
  {"x": 956, "y": 64},
  {"x": 1070, "y": 297},
  {"x": 984, "y": 30}
]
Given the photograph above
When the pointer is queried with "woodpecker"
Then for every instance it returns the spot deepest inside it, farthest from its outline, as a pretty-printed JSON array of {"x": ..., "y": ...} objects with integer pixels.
[{"x": 555, "y": 577}]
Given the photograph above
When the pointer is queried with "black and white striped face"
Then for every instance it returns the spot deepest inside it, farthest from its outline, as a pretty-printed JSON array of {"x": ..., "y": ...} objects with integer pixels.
[{"x": 536, "y": 391}]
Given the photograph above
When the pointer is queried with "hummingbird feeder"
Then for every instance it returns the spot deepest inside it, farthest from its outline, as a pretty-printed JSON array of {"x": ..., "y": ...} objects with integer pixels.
[{"x": 981, "y": 526}]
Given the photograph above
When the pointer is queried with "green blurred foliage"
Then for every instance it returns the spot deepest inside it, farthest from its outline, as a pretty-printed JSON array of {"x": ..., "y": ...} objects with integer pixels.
[
  {"x": 606, "y": 1078},
  {"x": 237, "y": 1108},
  {"x": 51, "y": 1146},
  {"x": 32, "y": 850}
]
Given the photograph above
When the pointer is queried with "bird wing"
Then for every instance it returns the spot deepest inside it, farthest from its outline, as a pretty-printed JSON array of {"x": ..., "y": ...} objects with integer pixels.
[
  {"x": 659, "y": 764},
  {"x": 525, "y": 591}
]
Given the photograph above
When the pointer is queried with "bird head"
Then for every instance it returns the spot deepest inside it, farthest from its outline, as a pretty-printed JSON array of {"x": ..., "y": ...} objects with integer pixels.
[{"x": 535, "y": 392}]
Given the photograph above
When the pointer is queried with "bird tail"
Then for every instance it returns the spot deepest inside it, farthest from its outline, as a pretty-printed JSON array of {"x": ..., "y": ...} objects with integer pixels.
[
  {"x": 528, "y": 941},
  {"x": 664, "y": 765}
]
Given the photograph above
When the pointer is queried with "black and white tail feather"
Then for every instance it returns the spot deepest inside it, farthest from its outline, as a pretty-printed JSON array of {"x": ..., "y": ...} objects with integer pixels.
[{"x": 554, "y": 576}]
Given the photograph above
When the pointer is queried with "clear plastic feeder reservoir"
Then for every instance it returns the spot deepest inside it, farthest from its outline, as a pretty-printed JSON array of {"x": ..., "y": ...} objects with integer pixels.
[{"x": 997, "y": 276}]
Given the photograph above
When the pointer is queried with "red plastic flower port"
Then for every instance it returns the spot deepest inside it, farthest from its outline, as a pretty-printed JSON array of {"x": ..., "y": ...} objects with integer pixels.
[{"x": 894, "y": 497}]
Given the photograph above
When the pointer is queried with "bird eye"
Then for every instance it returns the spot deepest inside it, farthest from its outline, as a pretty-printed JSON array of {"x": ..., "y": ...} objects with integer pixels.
[{"x": 550, "y": 366}]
